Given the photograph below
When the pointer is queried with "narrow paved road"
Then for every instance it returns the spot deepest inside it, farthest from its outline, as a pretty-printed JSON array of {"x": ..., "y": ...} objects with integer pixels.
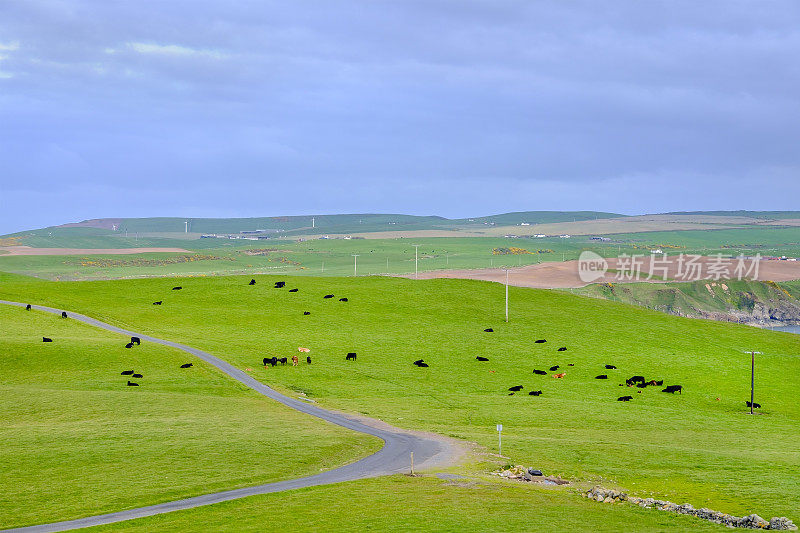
[{"x": 394, "y": 457}]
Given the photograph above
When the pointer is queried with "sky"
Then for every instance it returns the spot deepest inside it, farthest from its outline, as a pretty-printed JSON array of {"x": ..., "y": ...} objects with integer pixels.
[{"x": 434, "y": 107}]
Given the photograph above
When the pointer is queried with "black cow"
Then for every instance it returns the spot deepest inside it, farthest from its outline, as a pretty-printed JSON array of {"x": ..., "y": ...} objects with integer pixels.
[
  {"x": 137, "y": 376},
  {"x": 422, "y": 364},
  {"x": 479, "y": 358},
  {"x": 673, "y": 389},
  {"x": 625, "y": 398},
  {"x": 633, "y": 380},
  {"x": 136, "y": 340},
  {"x": 280, "y": 284},
  {"x": 126, "y": 373},
  {"x": 266, "y": 361},
  {"x": 306, "y": 313},
  {"x": 611, "y": 367},
  {"x": 158, "y": 302},
  {"x": 515, "y": 388},
  {"x": 328, "y": 296},
  {"x": 488, "y": 330},
  {"x": 176, "y": 288},
  {"x": 47, "y": 339},
  {"x": 601, "y": 376},
  {"x": 273, "y": 361},
  {"x": 282, "y": 360},
  {"x": 351, "y": 356},
  {"x": 132, "y": 384},
  {"x": 540, "y": 341},
  {"x": 641, "y": 385},
  {"x": 571, "y": 364},
  {"x": 308, "y": 359},
  {"x": 292, "y": 290},
  {"x": 342, "y": 299},
  {"x": 535, "y": 393},
  {"x": 186, "y": 365},
  {"x": 540, "y": 372},
  {"x": 28, "y": 307},
  {"x": 754, "y": 406},
  {"x": 129, "y": 345},
  {"x": 553, "y": 368},
  {"x": 252, "y": 282},
  {"x": 562, "y": 349},
  {"x": 63, "y": 314}
]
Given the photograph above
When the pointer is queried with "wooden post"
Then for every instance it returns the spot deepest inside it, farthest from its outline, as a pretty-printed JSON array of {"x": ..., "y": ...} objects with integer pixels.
[{"x": 412, "y": 463}]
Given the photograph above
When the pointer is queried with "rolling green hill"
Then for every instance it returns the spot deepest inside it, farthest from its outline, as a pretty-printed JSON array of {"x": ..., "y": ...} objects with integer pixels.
[{"x": 699, "y": 447}]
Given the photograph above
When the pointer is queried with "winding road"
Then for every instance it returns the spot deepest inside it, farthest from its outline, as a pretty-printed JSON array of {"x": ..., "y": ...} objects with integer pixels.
[{"x": 393, "y": 458}]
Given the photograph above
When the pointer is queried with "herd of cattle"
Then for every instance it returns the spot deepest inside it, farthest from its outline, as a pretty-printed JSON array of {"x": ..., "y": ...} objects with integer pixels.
[{"x": 634, "y": 381}]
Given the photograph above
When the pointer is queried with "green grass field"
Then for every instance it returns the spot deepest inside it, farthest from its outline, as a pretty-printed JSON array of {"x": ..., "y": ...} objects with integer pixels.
[
  {"x": 400, "y": 503},
  {"x": 698, "y": 447},
  {"x": 76, "y": 440}
]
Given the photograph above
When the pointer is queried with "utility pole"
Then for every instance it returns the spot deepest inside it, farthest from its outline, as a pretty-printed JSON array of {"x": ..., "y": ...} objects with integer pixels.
[
  {"x": 506, "y": 295},
  {"x": 186, "y": 226},
  {"x": 355, "y": 264},
  {"x": 416, "y": 260},
  {"x": 313, "y": 223}
]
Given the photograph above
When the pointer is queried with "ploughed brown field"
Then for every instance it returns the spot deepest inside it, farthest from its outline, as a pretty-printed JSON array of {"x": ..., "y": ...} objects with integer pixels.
[
  {"x": 27, "y": 250},
  {"x": 564, "y": 275}
]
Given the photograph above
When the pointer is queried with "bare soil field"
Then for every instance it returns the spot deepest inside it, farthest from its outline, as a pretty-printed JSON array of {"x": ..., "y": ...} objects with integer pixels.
[
  {"x": 27, "y": 250},
  {"x": 565, "y": 275}
]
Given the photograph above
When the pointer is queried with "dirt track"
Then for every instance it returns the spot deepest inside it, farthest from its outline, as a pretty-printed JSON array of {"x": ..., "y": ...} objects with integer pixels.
[
  {"x": 558, "y": 275},
  {"x": 27, "y": 250}
]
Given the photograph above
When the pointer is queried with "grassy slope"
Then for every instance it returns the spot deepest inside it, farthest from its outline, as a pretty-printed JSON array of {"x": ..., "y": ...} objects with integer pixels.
[
  {"x": 76, "y": 440},
  {"x": 689, "y": 447},
  {"x": 401, "y": 503},
  {"x": 688, "y": 298}
]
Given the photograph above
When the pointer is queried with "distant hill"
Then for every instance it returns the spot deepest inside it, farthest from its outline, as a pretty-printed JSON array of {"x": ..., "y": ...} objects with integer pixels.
[{"x": 766, "y": 215}]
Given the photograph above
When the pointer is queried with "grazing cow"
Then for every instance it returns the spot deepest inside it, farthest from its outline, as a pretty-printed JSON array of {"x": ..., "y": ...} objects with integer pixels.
[
  {"x": 535, "y": 393},
  {"x": 540, "y": 372},
  {"x": 422, "y": 365},
  {"x": 327, "y": 296},
  {"x": 280, "y": 284},
  {"x": 158, "y": 302},
  {"x": 654, "y": 383},
  {"x": 673, "y": 389},
  {"x": 266, "y": 361},
  {"x": 137, "y": 376},
  {"x": 351, "y": 356},
  {"x": 488, "y": 330},
  {"x": 292, "y": 290},
  {"x": 136, "y": 340},
  {"x": 308, "y": 359},
  {"x": 515, "y": 388},
  {"x": 28, "y": 307},
  {"x": 273, "y": 361},
  {"x": 610, "y": 367},
  {"x": 540, "y": 341},
  {"x": 553, "y": 368},
  {"x": 129, "y": 345},
  {"x": 343, "y": 299},
  {"x": 625, "y": 398},
  {"x": 132, "y": 384},
  {"x": 559, "y": 376},
  {"x": 295, "y": 360},
  {"x": 63, "y": 314},
  {"x": 633, "y": 380},
  {"x": 126, "y": 373},
  {"x": 283, "y": 360},
  {"x": 176, "y": 288},
  {"x": 562, "y": 349},
  {"x": 252, "y": 282},
  {"x": 47, "y": 339},
  {"x": 571, "y": 364},
  {"x": 601, "y": 376},
  {"x": 306, "y": 313},
  {"x": 479, "y": 358},
  {"x": 754, "y": 406},
  {"x": 186, "y": 365}
]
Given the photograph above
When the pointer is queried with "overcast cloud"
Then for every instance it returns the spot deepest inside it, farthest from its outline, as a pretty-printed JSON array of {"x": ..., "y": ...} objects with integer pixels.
[{"x": 456, "y": 108}]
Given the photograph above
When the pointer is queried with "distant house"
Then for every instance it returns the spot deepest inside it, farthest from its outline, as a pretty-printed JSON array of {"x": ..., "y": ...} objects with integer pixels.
[
  {"x": 540, "y": 236},
  {"x": 524, "y": 224},
  {"x": 565, "y": 236}
]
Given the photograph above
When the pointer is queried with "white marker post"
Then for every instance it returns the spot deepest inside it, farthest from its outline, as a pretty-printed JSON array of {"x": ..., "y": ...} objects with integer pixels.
[
  {"x": 500, "y": 438},
  {"x": 506, "y": 295}
]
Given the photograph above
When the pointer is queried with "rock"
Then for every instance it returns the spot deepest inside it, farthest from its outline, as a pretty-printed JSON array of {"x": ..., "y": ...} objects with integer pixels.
[{"x": 781, "y": 524}]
